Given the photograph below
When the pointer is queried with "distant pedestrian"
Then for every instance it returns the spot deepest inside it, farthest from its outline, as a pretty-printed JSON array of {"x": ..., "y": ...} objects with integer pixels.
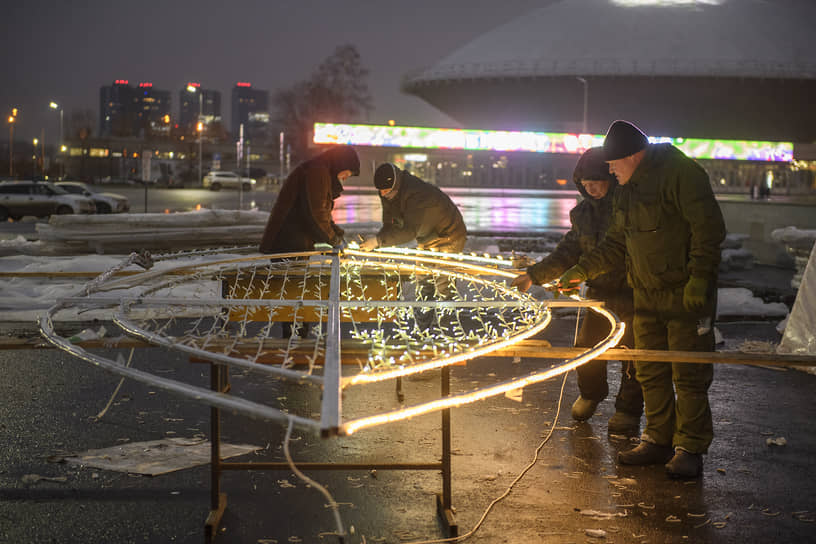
[
  {"x": 590, "y": 219},
  {"x": 667, "y": 228},
  {"x": 413, "y": 209}
]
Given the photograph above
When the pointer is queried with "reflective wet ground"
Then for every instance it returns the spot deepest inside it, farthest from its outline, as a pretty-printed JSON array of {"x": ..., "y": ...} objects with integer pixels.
[{"x": 575, "y": 492}]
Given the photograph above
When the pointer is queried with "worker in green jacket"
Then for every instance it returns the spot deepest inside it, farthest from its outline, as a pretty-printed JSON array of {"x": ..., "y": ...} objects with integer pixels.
[
  {"x": 667, "y": 228},
  {"x": 590, "y": 219},
  {"x": 413, "y": 209}
]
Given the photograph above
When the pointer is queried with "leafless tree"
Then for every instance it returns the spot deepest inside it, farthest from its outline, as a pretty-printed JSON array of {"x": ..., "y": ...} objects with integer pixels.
[{"x": 336, "y": 92}]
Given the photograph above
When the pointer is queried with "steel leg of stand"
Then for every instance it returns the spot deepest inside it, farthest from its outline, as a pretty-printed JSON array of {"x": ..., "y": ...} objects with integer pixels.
[
  {"x": 400, "y": 392},
  {"x": 218, "y": 501},
  {"x": 443, "y": 501}
]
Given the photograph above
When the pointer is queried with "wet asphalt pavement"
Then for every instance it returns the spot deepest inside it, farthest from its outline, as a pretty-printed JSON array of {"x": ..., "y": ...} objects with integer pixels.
[{"x": 575, "y": 492}]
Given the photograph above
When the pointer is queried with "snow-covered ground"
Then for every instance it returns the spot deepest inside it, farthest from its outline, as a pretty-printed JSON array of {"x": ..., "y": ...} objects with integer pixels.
[
  {"x": 23, "y": 298},
  {"x": 73, "y": 244}
]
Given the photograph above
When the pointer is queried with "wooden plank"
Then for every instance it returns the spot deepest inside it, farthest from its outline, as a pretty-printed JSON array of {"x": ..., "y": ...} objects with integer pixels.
[{"x": 538, "y": 349}]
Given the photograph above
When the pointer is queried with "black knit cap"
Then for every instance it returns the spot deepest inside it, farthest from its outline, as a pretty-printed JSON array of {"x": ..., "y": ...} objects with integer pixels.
[
  {"x": 623, "y": 139},
  {"x": 340, "y": 158},
  {"x": 385, "y": 176},
  {"x": 591, "y": 166}
]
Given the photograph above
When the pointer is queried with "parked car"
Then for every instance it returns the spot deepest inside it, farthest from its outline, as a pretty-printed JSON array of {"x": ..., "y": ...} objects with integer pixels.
[
  {"x": 217, "y": 180},
  {"x": 105, "y": 202},
  {"x": 40, "y": 199}
]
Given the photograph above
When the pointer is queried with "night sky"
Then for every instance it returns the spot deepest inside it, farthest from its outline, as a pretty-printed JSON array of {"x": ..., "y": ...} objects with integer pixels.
[{"x": 65, "y": 51}]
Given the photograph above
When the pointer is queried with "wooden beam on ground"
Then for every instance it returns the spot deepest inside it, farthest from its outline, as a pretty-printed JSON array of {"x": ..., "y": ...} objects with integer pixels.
[{"x": 538, "y": 349}]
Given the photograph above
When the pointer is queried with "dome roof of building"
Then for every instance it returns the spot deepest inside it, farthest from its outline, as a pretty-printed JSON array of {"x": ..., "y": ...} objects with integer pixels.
[{"x": 652, "y": 38}]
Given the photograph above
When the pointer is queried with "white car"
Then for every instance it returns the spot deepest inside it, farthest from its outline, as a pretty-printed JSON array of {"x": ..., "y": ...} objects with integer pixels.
[
  {"x": 217, "y": 180},
  {"x": 39, "y": 199},
  {"x": 105, "y": 202}
]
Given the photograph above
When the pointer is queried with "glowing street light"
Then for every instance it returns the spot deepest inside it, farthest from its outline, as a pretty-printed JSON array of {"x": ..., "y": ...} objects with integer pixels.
[
  {"x": 199, "y": 125},
  {"x": 55, "y": 106},
  {"x": 12, "y": 118},
  {"x": 35, "y": 141}
]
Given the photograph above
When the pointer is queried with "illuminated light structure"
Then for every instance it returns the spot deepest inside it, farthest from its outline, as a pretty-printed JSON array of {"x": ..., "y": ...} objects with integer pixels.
[
  {"x": 535, "y": 142},
  {"x": 179, "y": 306}
]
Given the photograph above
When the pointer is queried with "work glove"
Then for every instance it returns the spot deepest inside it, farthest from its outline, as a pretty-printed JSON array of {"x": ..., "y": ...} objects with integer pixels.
[
  {"x": 571, "y": 280},
  {"x": 522, "y": 282},
  {"x": 370, "y": 244},
  {"x": 695, "y": 294}
]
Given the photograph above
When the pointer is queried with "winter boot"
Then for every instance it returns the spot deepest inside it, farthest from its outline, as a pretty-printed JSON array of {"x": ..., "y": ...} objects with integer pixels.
[
  {"x": 685, "y": 465},
  {"x": 623, "y": 423},
  {"x": 582, "y": 409},
  {"x": 646, "y": 453}
]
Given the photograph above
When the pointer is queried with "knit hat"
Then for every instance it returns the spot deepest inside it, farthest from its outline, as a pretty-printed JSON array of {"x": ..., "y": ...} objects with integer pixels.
[
  {"x": 623, "y": 139},
  {"x": 340, "y": 158},
  {"x": 385, "y": 176},
  {"x": 591, "y": 165}
]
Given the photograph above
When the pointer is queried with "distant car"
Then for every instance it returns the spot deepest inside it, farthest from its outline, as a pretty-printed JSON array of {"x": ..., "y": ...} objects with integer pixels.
[
  {"x": 40, "y": 199},
  {"x": 105, "y": 202},
  {"x": 217, "y": 180}
]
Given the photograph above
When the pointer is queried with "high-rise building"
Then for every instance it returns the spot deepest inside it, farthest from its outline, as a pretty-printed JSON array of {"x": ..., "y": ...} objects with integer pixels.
[
  {"x": 153, "y": 111},
  {"x": 126, "y": 111},
  {"x": 250, "y": 107},
  {"x": 116, "y": 109},
  {"x": 188, "y": 107}
]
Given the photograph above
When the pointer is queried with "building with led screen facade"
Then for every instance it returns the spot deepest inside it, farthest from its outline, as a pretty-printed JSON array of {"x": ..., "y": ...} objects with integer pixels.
[
  {"x": 452, "y": 157},
  {"x": 725, "y": 69}
]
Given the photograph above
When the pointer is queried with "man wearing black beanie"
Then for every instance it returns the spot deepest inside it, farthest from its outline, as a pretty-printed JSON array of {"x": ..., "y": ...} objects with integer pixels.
[
  {"x": 667, "y": 228},
  {"x": 589, "y": 220},
  {"x": 415, "y": 210}
]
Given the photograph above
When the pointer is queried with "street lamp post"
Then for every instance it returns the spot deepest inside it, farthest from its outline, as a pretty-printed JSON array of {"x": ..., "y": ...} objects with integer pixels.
[
  {"x": 34, "y": 158},
  {"x": 199, "y": 124},
  {"x": 586, "y": 102},
  {"x": 200, "y": 127},
  {"x": 11, "y": 120},
  {"x": 55, "y": 106}
]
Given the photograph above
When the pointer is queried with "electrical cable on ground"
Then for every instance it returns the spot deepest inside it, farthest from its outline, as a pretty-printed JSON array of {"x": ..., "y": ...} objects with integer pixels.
[
  {"x": 512, "y": 484},
  {"x": 102, "y": 412},
  {"x": 341, "y": 532}
]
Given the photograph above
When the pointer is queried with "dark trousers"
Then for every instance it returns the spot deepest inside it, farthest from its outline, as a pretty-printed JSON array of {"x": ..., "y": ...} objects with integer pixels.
[{"x": 592, "y": 379}]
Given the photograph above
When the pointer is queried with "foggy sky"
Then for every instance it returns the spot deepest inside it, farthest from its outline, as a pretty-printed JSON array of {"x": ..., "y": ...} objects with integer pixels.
[{"x": 66, "y": 50}]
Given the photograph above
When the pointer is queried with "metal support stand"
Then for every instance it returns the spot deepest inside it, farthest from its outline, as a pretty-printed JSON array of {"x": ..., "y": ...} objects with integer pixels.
[{"x": 219, "y": 381}]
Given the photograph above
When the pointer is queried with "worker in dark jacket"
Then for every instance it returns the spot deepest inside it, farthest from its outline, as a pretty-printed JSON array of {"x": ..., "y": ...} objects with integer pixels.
[
  {"x": 667, "y": 227},
  {"x": 301, "y": 216},
  {"x": 590, "y": 219},
  {"x": 415, "y": 210}
]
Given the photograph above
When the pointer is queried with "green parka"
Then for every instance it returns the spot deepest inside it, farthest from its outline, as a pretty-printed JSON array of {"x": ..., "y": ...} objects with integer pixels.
[
  {"x": 589, "y": 219},
  {"x": 666, "y": 224},
  {"x": 423, "y": 212}
]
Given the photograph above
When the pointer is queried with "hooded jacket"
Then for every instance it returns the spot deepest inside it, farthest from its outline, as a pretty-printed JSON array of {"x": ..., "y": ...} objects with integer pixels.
[
  {"x": 423, "y": 212},
  {"x": 589, "y": 219},
  {"x": 667, "y": 225},
  {"x": 301, "y": 215}
]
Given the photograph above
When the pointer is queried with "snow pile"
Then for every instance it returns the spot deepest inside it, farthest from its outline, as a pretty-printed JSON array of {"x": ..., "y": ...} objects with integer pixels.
[
  {"x": 741, "y": 302},
  {"x": 797, "y": 242}
]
